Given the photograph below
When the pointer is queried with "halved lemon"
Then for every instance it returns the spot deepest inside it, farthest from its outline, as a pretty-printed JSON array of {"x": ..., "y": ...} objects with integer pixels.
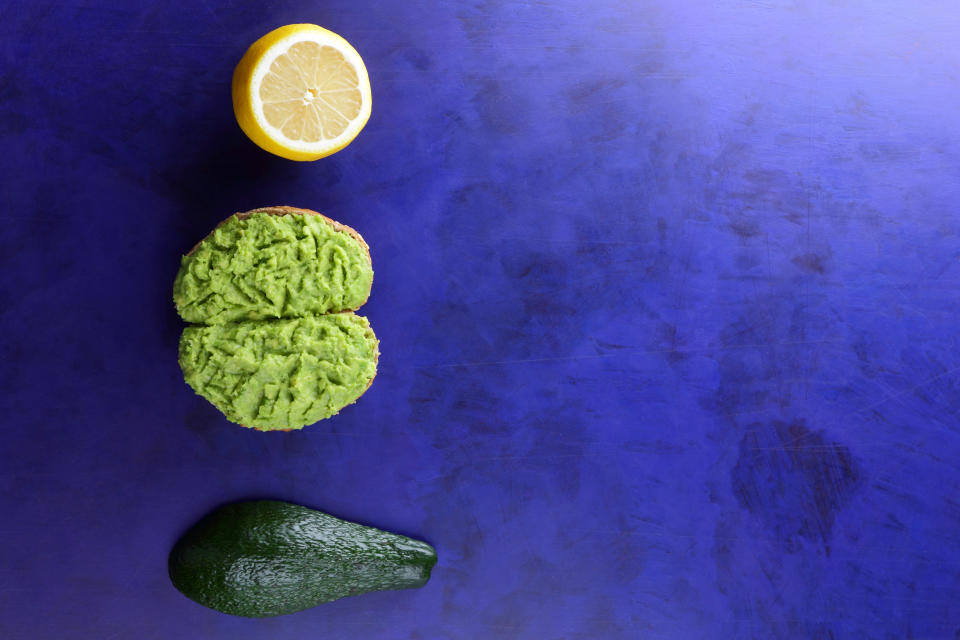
[{"x": 301, "y": 92}]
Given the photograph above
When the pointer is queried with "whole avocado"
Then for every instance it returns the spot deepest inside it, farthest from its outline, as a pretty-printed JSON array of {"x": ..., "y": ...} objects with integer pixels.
[{"x": 269, "y": 558}]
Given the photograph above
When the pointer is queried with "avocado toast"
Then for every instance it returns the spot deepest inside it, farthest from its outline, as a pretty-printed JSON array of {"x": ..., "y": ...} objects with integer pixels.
[{"x": 276, "y": 345}]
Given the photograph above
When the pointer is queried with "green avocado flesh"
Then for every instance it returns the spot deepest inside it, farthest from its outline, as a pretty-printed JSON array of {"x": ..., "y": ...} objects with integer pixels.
[
  {"x": 281, "y": 374},
  {"x": 272, "y": 266},
  {"x": 270, "y": 558}
]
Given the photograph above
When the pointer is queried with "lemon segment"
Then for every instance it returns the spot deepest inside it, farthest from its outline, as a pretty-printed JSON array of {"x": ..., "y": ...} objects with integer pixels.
[{"x": 301, "y": 92}]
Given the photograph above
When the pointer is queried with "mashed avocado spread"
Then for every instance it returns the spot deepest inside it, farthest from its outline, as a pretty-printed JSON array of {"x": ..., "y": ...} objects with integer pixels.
[
  {"x": 262, "y": 350},
  {"x": 280, "y": 374},
  {"x": 272, "y": 266}
]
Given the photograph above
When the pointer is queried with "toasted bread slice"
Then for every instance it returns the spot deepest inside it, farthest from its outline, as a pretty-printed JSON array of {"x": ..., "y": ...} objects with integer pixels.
[
  {"x": 281, "y": 374},
  {"x": 273, "y": 262}
]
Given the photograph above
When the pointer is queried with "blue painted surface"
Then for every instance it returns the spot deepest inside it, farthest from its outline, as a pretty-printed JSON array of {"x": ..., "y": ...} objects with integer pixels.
[{"x": 667, "y": 294}]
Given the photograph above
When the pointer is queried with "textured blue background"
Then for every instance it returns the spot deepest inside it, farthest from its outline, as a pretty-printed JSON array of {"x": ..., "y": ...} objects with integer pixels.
[{"x": 667, "y": 291}]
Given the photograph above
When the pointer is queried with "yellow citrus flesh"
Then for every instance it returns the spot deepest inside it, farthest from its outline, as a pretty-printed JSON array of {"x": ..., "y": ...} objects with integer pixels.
[{"x": 301, "y": 92}]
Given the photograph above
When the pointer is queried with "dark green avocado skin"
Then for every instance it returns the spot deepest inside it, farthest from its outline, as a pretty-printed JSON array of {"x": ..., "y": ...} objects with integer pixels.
[{"x": 269, "y": 558}]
